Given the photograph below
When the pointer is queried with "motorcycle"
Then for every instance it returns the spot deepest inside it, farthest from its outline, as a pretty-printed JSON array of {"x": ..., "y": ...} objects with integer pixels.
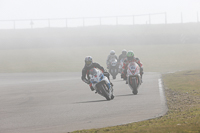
[
  {"x": 121, "y": 63},
  {"x": 113, "y": 69},
  {"x": 133, "y": 77},
  {"x": 101, "y": 83}
]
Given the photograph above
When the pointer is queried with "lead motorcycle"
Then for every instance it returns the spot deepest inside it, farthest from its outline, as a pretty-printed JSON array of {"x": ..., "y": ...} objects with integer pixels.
[
  {"x": 101, "y": 83},
  {"x": 113, "y": 68},
  {"x": 133, "y": 77}
]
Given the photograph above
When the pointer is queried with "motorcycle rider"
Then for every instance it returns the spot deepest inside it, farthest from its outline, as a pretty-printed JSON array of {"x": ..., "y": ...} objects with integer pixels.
[
  {"x": 89, "y": 64},
  {"x": 122, "y": 55},
  {"x": 111, "y": 56},
  {"x": 131, "y": 58}
]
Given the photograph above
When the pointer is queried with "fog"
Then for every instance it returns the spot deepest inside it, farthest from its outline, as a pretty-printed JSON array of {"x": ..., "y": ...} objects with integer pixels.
[
  {"x": 29, "y": 32},
  {"x": 51, "y": 9},
  {"x": 43, "y": 45},
  {"x": 48, "y": 15},
  {"x": 35, "y": 9}
]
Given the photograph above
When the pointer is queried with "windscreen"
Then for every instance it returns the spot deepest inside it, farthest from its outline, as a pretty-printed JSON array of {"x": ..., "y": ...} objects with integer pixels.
[{"x": 93, "y": 72}]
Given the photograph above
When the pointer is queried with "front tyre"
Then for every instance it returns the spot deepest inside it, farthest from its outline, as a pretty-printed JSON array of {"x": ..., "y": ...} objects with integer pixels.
[
  {"x": 134, "y": 86},
  {"x": 112, "y": 97},
  {"x": 105, "y": 92}
]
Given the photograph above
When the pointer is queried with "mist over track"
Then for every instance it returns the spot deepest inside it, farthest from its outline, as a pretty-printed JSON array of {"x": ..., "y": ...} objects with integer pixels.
[{"x": 186, "y": 33}]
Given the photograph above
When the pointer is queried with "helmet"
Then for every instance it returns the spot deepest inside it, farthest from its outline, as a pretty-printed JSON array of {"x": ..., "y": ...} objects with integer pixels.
[
  {"x": 124, "y": 52},
  {"x": 88, "y": 61},
  {"x": 112, "y": 52},
  {"x": 130, "y": 55}
]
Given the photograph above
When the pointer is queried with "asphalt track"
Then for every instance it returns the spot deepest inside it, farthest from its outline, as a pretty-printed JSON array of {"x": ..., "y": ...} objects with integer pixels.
[{"x": 61, "y": 102}]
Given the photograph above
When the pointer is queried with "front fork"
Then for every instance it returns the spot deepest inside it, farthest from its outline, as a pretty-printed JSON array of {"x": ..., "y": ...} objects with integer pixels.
[{"x": 138, "y": 79}]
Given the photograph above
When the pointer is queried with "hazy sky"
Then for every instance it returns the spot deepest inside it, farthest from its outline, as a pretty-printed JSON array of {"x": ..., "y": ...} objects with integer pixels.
[
  {"x": 42, "y": 9},
  {"x": 13, "y": 9}
]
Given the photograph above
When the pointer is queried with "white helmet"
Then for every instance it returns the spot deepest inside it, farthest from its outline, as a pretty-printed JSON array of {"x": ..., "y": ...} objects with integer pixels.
[
  {"x": 88, "y": 61},
  {"x": 112, "y": 52}
]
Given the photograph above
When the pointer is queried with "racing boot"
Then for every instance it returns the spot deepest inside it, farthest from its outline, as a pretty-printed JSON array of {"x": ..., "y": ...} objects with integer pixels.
[
  {"x": 121, "y": 76},
  {"x": 111, "y": 84},
  {"x": 92, "y": 89}
]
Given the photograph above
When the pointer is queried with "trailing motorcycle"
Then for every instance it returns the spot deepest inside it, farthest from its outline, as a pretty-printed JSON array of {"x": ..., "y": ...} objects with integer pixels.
[
  {"x": 133, "y": 77},
  {"x": 101, "y": 83},
  {"x": 121, "y": 63},
  {"x": 113, "y": 68}
]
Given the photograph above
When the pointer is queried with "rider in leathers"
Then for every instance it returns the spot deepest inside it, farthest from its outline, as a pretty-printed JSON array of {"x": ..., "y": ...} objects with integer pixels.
[
  {"x": 131, "y": 58},
  {"x": 85, "y": 71},
  {"x": 123, "y": 55}
]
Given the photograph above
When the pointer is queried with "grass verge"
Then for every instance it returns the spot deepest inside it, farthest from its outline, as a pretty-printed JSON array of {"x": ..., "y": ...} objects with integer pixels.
[{"x": 182, "y": 91}]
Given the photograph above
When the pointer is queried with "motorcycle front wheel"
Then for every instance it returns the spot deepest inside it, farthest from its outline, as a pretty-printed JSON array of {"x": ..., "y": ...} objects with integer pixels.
[
  {"x": 134, "y": 86},
  {"x": 104, "y": 91}
]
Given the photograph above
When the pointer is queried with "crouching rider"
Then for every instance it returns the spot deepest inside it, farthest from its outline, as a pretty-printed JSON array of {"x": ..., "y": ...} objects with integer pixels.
[
  {"x": 131, "y": 58},
  {"x": 89, "y": 64}
]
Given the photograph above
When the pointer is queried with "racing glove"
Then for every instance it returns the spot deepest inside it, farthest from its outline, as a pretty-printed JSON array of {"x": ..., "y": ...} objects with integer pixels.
[{"x": 86, "y": 81}]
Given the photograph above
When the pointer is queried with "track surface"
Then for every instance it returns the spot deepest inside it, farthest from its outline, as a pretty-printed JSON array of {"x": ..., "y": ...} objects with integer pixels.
[{"x": 61, "y": 102}]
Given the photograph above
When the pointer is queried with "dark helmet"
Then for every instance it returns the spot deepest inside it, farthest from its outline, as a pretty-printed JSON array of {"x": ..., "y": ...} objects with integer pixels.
[
  {"x": 130, "y": 55},
  {"x": 124, "y": 52},
  {"x": 88, "y": 61}
]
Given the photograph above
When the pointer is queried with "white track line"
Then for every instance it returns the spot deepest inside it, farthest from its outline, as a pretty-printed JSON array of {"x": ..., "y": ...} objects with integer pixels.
[{"x": 162, "y": 96}]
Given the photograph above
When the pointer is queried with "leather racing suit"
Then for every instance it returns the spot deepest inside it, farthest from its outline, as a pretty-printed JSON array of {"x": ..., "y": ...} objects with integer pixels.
[
  {"x": 85, "y": 74},
  {"x": 125, "y": 64}
]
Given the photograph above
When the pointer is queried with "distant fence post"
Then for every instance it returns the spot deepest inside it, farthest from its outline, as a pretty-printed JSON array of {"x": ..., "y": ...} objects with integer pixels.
[
  {"x": 181, "y": 17},
  {"x": 14, "y": 24},
  {"x": 31, "y": 23},
  {"x": 133, "y": 19},
  {"x": 100, "y": 20},
  {"x": 66, "y": 22},
  {"x": 149, "y": 18},
  {"x": 83, "y": 22},
  {"x": 165, "y": 18},
  {"x": 116, "y": 20},
  {"x": 49, "y": 23},
  {"x": 197, "y": 17}
]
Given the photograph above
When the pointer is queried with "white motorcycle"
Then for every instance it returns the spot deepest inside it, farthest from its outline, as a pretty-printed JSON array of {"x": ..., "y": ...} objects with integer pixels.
[
  {"x": 113, "y": 69},
  {"x": 133, "y": 77},
  {"x": 101, "y": 83}
]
